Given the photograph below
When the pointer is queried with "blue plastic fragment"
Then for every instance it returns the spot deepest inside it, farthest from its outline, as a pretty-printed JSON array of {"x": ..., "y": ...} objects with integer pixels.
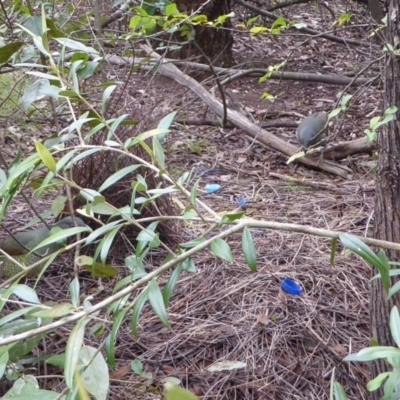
[
  {"x": 292, "y": 287},
  {"x": 212, "y": 187},
  {"x": 241, "y": 201}
]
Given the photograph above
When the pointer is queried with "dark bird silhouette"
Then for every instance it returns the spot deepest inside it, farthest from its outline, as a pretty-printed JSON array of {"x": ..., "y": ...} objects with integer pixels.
[{"x": 28, "y": 240}]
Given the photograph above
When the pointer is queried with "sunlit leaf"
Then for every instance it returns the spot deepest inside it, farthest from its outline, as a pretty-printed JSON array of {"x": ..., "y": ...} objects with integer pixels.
[
  {"x": 249, "y": 250},
  {"x": 46, "y": 157},
  {"x": 221, "y": 249},
  {"x": 95, "y": 376},
  {"x": 26, "y": 293},
  {"x": 74, "y": 345},
  {"x": 157, "y": 302}
]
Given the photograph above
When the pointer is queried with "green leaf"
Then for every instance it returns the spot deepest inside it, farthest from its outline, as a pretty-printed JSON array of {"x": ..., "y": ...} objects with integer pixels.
[
  {"x": 158, "y": 153},
  {"x": 73, "y": 75},
  {"x": 392, "y": 272},
  {"x": 249, "y": 250},
  {"x": 139, "y": 303},
  {"x": 106, "y": 243},
  {"x": 102, "y": 208},
  {"x": 377, "y": 382},
  {"x": 117, "y": 176},
  {"x": 101, "y": 231},
  {"x": 3, "y": 360},
  {"x": 193, "y": 243},
  {"x": 57, "y": 360},
  {"x": 74, "y": 290},
  {"x": 333, "y": 250},
  {"x": 69, "y": 94},
  {"x": 172, "y": 281},
  {"x": 221, "y": 249},
  {"x": 390, "y": 385},
  {"x": 77, "y": 125},
  {"x": 74, "y": 45},
  {"x": 34, "y": 25},
  {"x": 95, "y": 377},
  {"x": 258, "y": 30},
  {"x": 374, "y": 353},
  {"x": 111, "y": 339},
  {"x": 157, "y": 302},
  {"x": 340, "y": 394},
  {"x": 166, "y": 122},
  {"x": 230, "y": 217},
  {"x": 3, "y": 178},
  {"x": 190, "y": 213},
  {"x": 43, "y": 75},
  {"x": 193, "y": 192},
  {"x": 373, "y": 342},
  {"x": 294, "y": 157},
  {"x": 27, "y": 387},
  {"x": 19, "y": 326},
  {"x": 188, "y": 265},
  {"x": 26, "y": 346},
  {"x": 55, "y": 311},
  {"x": 58, "y": 237},
  {"x": 162, "y": 191},
  {"x": 393, "y": 290},
  {"x": 137, "y": 367},
  {"x": 148, "y": 234},
  {"x": 115, "y": 124},
  {"x": 37, "y": 91},
  {"x": 177, "y": 393},
  {"x": 90, "y": 194},
  {"x": 22, "y": 168},
  {"x": 58, "y": 204},
  {"x": 106, "y": 95},
  {"x": 360, "y": 248},
  {"x": 346, "y": 100},
  {"x": 395, "y": 325},
  {"x": 97, "y": 127},
  {"x": 98, "y": 330},
  {"x": 83, "y": 155},
  {"x": 16, "y": 314},
  {"x": 99, "y": 270},
  {"x": 112, "y": 143},
  {"x": 46, "y": 157},
  {"x": 334, "y": 113},
  {"x": 41, "y": 44},
  {"x": 142, "y": 137},
  {"x": 7, "y": 51},
  {"x": 26, "y": 293},
  {"x": 74, "y": 345}
]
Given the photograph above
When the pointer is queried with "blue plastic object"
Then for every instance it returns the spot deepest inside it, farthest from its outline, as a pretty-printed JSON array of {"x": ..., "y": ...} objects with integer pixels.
[
  {"x": 292, "y": 287},
  {"x": 241, "y": 201},
  {"x": 212, "y": 187}
]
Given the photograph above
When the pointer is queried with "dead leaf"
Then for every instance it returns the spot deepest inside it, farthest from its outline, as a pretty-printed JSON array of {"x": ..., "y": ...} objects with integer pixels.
[
  {"x": 121, "y": 372},
  {"x": 263, "y": 319}
]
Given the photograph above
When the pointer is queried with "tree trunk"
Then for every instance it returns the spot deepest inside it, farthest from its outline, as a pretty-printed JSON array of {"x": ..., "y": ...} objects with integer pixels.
[
  {"x": 387, "y": 203},
  {"x": 215, "y": 43}
]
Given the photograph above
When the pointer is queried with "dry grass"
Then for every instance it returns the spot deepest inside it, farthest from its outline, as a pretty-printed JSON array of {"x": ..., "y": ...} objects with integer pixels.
[{"x": 289, "y": 344}]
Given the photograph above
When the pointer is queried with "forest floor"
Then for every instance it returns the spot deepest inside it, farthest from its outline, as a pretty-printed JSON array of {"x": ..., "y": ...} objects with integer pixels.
[{"x": 224, "y": 312}]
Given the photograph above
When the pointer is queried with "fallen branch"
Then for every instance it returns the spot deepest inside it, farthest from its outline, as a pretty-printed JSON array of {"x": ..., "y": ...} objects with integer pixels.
[
  {"x": 232, "y": 74},
  {"x": 345, "y": 149},
  {"x": 237, "y": 119}
]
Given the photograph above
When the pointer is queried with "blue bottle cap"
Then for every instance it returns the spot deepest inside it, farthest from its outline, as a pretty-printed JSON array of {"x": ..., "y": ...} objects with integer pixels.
[
  {"x": 292, "y": 287},
  {"x": 213, "y": 187}
]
